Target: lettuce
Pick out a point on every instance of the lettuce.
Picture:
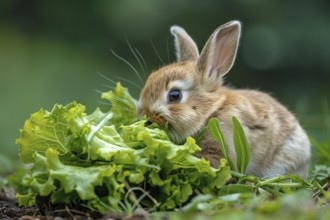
(109, 160)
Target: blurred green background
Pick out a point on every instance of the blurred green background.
(52, 51)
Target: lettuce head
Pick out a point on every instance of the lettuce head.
(107, 160)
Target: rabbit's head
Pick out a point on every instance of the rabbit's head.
(182, 96)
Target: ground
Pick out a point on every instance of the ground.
(9, 209)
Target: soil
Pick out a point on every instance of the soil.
(9, 209)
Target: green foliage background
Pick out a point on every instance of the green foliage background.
(51, 52)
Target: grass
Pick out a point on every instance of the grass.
(245, 196)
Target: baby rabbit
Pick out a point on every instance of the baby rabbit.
(184, 95)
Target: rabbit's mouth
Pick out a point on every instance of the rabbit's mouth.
(174, 135)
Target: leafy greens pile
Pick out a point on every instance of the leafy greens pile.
(108, 160)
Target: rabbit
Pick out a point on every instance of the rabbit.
(183, 96)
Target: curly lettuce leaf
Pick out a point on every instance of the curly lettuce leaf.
(49, 130)
(68, 130)
(123, 106)
(98, 158)
(83, 180)
(180, 171)
(106, 143)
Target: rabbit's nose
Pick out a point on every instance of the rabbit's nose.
(159, 119)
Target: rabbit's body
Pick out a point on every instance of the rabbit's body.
(186, 94)
(278, 144)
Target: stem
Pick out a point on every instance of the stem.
(320, 188)
(274, 179)
(285, 184)
(95, 130)
(130, 192)
(271, 191)
(243, 176)
(236, 174)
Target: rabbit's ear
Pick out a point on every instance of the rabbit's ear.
(218, 54)
(186, 48)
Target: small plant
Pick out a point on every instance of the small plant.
(241, 144)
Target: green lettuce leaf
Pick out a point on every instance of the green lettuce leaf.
(102, 159)
(49, 130)
(123, 106)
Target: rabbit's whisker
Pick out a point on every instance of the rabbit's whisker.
(106, 78)
(144, 63)
(156, 52)
(129, 81)
(130, 65)
(137, 58)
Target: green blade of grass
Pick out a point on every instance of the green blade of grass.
(217, 135)
(242, 146)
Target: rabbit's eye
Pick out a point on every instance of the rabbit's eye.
(174, 95)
